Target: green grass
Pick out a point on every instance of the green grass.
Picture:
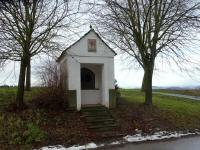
(194, 92)
(8, 95)
(174, 105)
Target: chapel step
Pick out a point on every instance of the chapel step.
(95, 108)
(102, 127)
(89, 120)
(96, 114)
(98, 118)
(96, 122)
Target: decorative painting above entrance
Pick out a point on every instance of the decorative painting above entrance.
(87, 79)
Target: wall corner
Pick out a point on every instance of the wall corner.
(112, 98)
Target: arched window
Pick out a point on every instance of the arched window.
(87, 79)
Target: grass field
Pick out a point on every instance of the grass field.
(172, 104)
(61, 127)
(8, 95)
(179, 111)
(193, 92)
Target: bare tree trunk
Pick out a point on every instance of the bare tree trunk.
(28, 75)
(20, 90)
(143, 82)
(148, 86)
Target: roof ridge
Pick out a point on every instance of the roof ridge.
(91, 29)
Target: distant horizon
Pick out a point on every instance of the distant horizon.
(127, 74)
(127, 78)
(153, 87)
(166, 87)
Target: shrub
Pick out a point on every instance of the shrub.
(15, 131)
(52, 94)
(51, 98)
(33, 134)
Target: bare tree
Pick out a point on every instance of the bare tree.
(47, 73)
(147, 29)
(29, 28)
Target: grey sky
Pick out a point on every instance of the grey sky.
(128, 76)
(164, 76)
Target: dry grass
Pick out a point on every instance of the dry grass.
(173, 112)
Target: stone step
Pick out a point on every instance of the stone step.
(103, 123)
(94, 111)
(97, 117)
(99, 114)
(99, 120)
(102, 126)
(93, 108)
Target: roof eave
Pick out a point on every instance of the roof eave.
(63, 53)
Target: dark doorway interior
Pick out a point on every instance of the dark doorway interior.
(87, 79)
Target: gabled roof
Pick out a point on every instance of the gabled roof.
(91, 29)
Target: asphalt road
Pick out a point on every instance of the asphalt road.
(189, 143)
(180, 95)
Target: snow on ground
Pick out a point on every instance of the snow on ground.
(156, 136)
(59, 147)
(129, 138)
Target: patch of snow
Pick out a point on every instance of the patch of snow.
(101, 145)
(90, 146)
(156, 136)
(160, 135)
(59, 147)
(138, 131)
(115, 143)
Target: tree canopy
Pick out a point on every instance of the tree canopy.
(31, 27)
(145, 29)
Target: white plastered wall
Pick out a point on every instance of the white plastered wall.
(74, 76)
(78, 54)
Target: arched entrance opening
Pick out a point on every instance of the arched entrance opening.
(91, 84)
(87, 79)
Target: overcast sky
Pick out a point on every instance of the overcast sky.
(128, 76)
(164, 76)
